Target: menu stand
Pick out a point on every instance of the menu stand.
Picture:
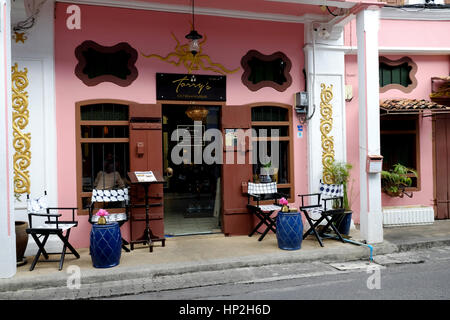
(148, 237)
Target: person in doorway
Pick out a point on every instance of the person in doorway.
(109, 178)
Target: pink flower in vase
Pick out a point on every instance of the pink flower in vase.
(284, 204)
(102, 213)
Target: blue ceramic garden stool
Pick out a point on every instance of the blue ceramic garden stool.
(289, 230)
(106, 245)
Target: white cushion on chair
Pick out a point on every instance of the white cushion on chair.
(269, 207)
(61, 226)
(113, 195)
(314, 213)
(112, 217)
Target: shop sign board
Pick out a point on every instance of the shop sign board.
(174, 86)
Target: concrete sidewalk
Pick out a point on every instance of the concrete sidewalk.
(199, 261)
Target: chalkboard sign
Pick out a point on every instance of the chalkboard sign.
(174, 86)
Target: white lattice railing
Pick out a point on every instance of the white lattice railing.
(407, 215)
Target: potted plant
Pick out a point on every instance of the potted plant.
(264, 175)
(340, 172)
(21, 241)
(394, 181)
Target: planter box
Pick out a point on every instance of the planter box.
(407, 216)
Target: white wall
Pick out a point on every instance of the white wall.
(37, 55)
(7, 234)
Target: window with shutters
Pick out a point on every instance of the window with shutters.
(273, 123)
(266, 71)
(397, 74)
(399, 143)
(102, 148)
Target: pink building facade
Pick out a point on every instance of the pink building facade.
(322, 52)
(429, 51)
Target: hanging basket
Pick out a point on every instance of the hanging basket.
(399, 193)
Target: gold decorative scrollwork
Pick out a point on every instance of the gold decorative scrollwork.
(182, 56)
(326, 125)
(21, 140)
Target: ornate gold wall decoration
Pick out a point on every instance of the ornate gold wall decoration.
(21, 140)
(182, 56)
(19, 37)
(326, 125)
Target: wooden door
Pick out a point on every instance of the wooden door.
(146, 155)
(442, 165)
(235, 218)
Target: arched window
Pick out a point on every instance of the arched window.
(102, 148)
(272, 125)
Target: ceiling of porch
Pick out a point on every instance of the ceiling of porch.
(297, 11)
(256, 6)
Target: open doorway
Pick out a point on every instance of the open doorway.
(192, 194)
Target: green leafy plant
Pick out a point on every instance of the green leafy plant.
(394, 181)
(340, 171)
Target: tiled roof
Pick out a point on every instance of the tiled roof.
(411, 105)
(443, 92)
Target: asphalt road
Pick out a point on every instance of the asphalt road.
(414, 275)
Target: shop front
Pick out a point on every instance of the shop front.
(106, 88)
(116, 87)
(143, 102)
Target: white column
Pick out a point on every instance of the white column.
(325, 64)
(371, 218)
(7, 226)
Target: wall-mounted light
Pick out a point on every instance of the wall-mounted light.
(348, 92)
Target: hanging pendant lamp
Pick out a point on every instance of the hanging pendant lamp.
(197, 113)
(193, 36)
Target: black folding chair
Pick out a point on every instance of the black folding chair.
(41, 230)
(331, 211)
(260, 192)
(116, 202)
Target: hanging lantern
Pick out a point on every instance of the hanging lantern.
(197, 113)
(193, 36)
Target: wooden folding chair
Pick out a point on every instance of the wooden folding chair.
(116, 202)
(40, 231)
(264, 212)
(331, 210)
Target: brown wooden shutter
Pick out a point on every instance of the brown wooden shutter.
(146, 131)
(236, 219)
(442, 165)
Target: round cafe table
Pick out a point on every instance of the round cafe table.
(106, 244)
